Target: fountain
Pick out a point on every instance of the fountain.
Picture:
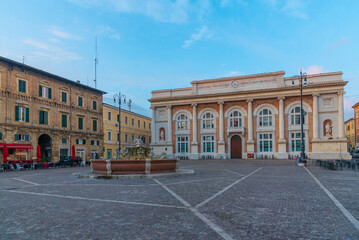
(136, 161)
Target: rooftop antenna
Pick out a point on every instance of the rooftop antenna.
(96, 62)
(129, 105)
(23, 63)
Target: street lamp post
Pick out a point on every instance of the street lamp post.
(119, 98)
(302, 83)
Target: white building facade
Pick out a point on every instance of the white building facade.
(252, 116)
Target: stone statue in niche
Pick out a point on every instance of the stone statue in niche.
(328, 129)
(162, 134)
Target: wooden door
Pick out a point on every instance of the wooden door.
(236, 147)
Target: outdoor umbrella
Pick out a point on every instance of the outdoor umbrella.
(73, 153)
(38, 153)
(5, 154)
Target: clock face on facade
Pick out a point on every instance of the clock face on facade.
(235, 84)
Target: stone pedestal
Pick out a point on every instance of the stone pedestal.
(329, 149)
(250, 146)
(221, 150)
(194, 151)
(282, 149)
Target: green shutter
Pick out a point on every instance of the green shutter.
(40, 91)
(24, 86)
(77, 141)
(27, 119)
(46, 116)
(94, 125)
(64, 97)
(49, 92)
(26, 137)
(64, 120)
(17, 137)
(80, 101)
(84, 141)
(81, 123)
(16, 113)
(0, 136)
(41, 117)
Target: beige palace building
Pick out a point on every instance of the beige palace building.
(133, 126)
(252, 116)
(349, 128)
(40, 108)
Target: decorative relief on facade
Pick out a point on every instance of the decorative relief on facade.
(162, 134)
(328, 129)
(162, 114)
(328, 102)
(235, 84)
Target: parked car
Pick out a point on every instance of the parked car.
(67, 161)
(355, 153)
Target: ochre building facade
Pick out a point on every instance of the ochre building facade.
(40, 108)
(133, 126)
(356, 124)
(349, 128)
(252, 116)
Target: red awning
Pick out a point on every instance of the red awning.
(16, 146)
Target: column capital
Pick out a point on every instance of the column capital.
(169, 106)
(250, 100)
(221, 102)
(153, 107)
(194, 104)
(341, 92)
(315, 94)
(281, 98)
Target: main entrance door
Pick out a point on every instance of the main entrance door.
(236, 147)
(45, 143)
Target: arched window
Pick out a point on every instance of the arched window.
(265, 118)
(208, 121)
(182, 122)
(235, 119)
(295, 116)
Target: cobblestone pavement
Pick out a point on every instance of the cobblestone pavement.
(225, 199)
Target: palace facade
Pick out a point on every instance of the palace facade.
(349, 128)
(252, 116)
(40, 108)
(133, 126)
(356, 124)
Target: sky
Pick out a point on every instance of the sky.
(146, 45)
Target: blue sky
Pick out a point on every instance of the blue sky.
(145, 45)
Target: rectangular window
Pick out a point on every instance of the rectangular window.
(64, 141)
(266, 142)
(139, 123)
(297, 141)
(208, 143)
(80, 123)
(133, 137)
(118, 118)
(182, 144)
(126, 137)
(126, 120)
(149, 125)
(22, 114)
(94, 105)
(144, 124)
(133, 122)
(21, 137)
(94, 125)
(80, 102)
(109, 116)
(44, 117)
(64, 120)
(44, 92)
(109, 136)
(22, 86)
(64, 97)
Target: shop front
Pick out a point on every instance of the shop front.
(15, 152)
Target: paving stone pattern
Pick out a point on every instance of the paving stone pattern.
(278, 201)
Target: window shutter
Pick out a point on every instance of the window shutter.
(94, 125)
(16, 113)
(0, 136)
(46, 116)
(81, 123)
(27, 114)
(84, 141)
(64, 121)
(41, 117)
(16, 137)
(40, 91)
(26, 137)
(49, 93)
(77, 141)
(92, 142)
(24, 86)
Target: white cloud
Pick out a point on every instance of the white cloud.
(161, 10)
(61, 34)
(294, 8)
(202, 33)
(232, 73)
(50, 51)
(109, 32)
(314, 69)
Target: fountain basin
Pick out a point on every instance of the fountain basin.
(123, 167)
